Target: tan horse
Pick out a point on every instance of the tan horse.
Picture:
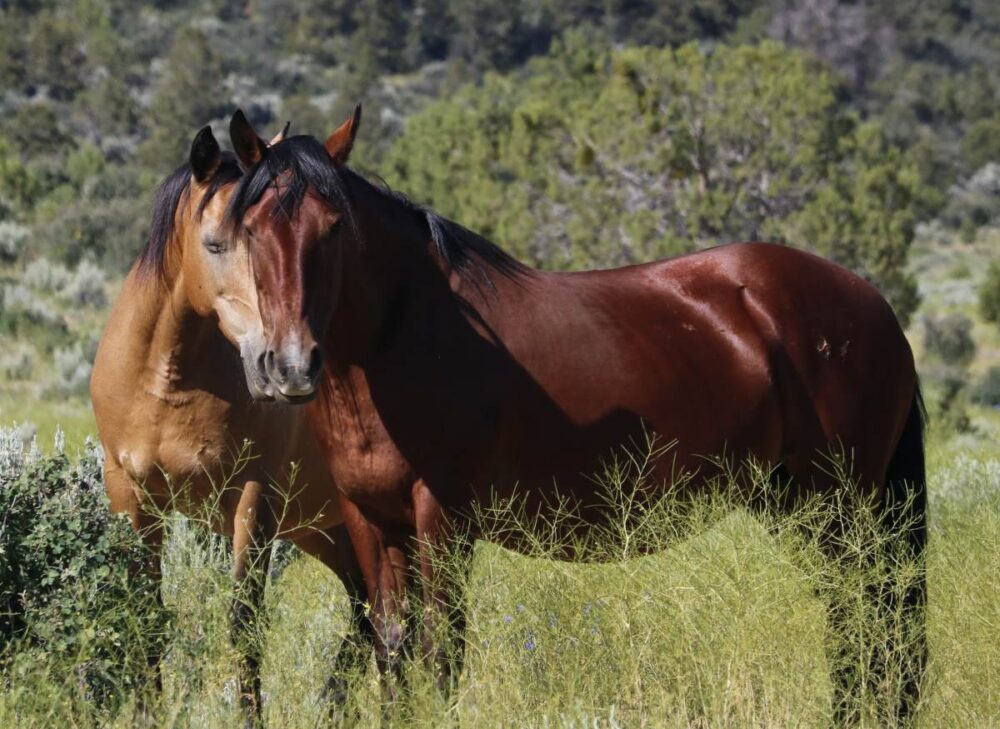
(174, 414)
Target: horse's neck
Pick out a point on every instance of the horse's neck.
(160, 334)
(376, 275)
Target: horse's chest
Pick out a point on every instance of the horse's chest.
(184, 445)
(370, 471)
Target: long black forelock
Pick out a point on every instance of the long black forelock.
(295, 164)
(169, 196)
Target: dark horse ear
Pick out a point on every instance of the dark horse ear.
(249, 148)
(205, 155)
(339, 144)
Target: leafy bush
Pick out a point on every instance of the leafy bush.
(948, 340)
(981, 144)
(987, 390)
(975, 202)
(952, 413)
(989, 294)
(949, 337)
(65, 590)
(109, 231)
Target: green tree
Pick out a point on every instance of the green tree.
(949, 343)
(53, 56)
(84, 164)
(19, 189)
(190, 96)
(110, 106)
(488, 33)
(989, 294)
(981, 144)
(36, 129)
(305, 116)
(13, 51)
(864, 217)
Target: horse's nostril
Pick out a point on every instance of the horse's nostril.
(315, 361)
(260, 363)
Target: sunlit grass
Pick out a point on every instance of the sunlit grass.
(21, 402)
(723, 629)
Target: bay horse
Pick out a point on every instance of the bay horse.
(175, 416)
(452, 374)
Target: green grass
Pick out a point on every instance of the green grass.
(21, 402)
(723, 629)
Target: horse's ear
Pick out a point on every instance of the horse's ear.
(338, 145)
(249, 148)
(280, 136)
(205, 155)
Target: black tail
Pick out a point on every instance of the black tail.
(906, 480)
(906, 511)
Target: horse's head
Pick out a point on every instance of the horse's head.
(211, 270)
(288, 209)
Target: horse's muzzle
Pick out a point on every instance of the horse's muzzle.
(293, 375)
(258, 383)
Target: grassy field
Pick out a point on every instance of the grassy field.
(721, 630)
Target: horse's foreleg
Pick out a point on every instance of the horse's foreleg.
(145, 574)
(445, 559)
(253, 532)
(384, 566)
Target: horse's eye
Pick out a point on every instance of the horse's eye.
(214, 246)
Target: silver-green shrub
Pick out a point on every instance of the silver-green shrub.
(85, 286)
(21, 302)
(72, 371)
(12, 237)
(17, 362)
(46, 276)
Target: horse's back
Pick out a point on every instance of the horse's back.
(751, 348)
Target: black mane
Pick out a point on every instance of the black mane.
(169, 196)
(302, 162)
(306, 163)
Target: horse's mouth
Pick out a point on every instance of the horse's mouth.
(279, 396)
(261, 391)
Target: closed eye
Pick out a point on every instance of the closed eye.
(214, 246)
